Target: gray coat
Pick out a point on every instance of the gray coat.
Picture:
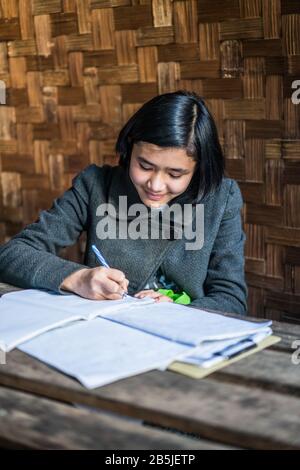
(213, 276)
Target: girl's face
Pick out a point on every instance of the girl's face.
(160, 174)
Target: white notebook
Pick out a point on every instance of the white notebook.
(29, 313)
(100, 352)
(99, 342)
(182, 324)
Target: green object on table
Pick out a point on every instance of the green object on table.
(180, 298)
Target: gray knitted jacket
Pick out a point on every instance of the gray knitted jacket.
(213, 276)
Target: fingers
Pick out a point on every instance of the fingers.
(124, 285)
(109, 282)
(118, 277)
(98, 296)
(110, 287)
(114, 297)
(146, 293)
(164, 298)
(115, 275)
(157, 296)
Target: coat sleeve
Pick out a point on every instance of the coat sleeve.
(225, 286)
(30, 259)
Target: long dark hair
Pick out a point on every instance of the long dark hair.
(180, 119)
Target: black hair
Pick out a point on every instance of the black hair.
(180, 119)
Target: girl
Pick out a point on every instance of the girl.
(169, 157)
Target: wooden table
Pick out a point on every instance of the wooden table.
(254, 403)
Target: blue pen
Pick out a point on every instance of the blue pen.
(102, 260)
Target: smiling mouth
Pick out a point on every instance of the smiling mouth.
(153, 196)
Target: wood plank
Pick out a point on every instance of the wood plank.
(275, 65)
(17, 97)
(200, 69)
(117, 74)
(245, 109)
(149, 36)
(288, 7)
(177, 52)
(231, 413)
(288, 303)
(21, 48)
(30, 422)
(41, 7)
(283, 236)
(291, 149)
(262, 48)
(218, 10)
(225, 88)
(270, 370)
(68, 96)
(263, 129)
(138, 92)
(264, 214)
(265, 282)
(236, 168)
(292, 256)
(99, 58)
(252, 191)
(64, 23)
(19, 163)
(291, 173)
(9, 29)
(131, 17)
(246, 28)
(287, 340)
(220, 411)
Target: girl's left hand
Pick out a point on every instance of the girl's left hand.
(157, 296)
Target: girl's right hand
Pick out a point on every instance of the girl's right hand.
(97, 283)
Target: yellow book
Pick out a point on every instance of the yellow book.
(198, 372)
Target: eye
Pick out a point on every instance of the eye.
(175, 176)
(145, 167)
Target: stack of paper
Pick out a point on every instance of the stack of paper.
(99, 342)
(211, 353)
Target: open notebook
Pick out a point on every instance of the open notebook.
(99, 342)
(29, 313)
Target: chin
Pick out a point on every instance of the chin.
(154, 204)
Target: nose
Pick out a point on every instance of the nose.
(156, 183)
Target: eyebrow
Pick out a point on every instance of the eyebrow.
(179, 170)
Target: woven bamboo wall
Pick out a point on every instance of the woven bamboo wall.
(75, 70)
